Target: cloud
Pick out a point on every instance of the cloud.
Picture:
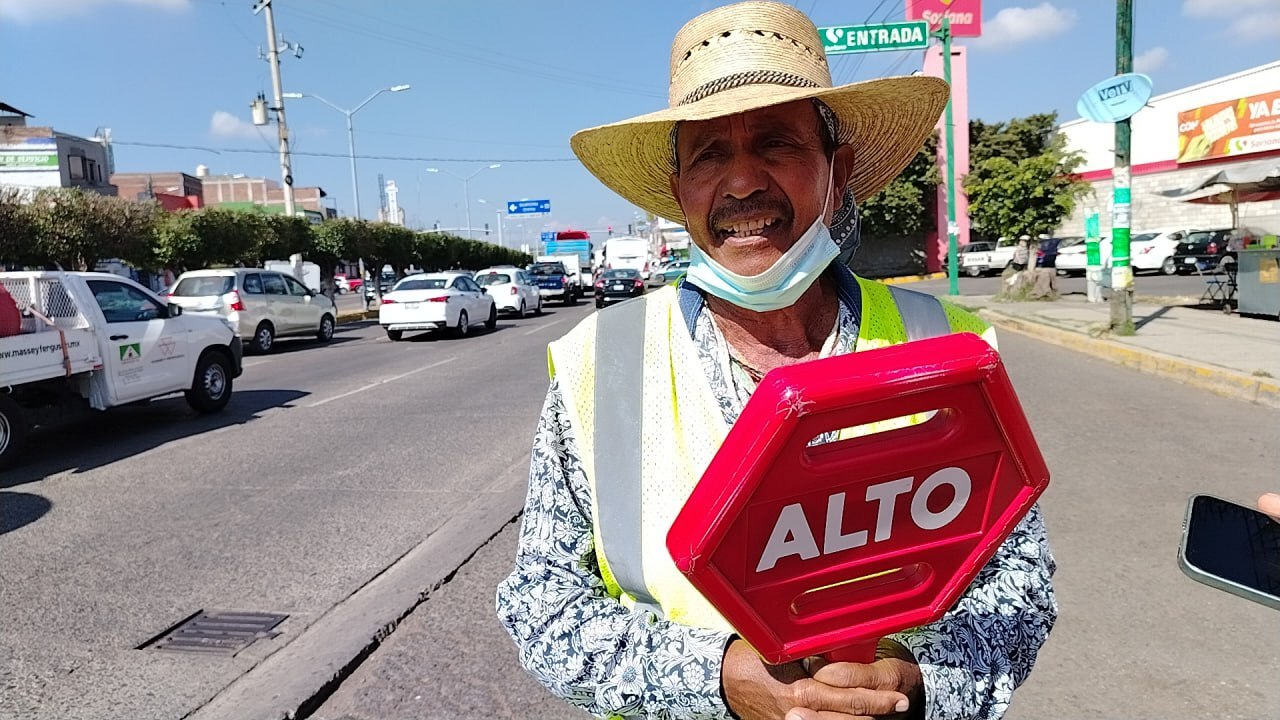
(225, 125)
(1221, 8)
(1256, 26)
(1017, 25)
(33, 11)
(1151, 60)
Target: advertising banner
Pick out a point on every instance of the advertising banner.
(1232, 127)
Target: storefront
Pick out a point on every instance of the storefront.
(1179, 139)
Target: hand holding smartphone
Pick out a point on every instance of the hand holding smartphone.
(1233, 548)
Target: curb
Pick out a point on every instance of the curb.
(911, 278)
(1219, 381)
(352, 316)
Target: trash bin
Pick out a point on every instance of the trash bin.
(1258, 283)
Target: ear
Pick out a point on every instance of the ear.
(841, 170)
(674, 180)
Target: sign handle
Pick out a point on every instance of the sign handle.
(860, 653)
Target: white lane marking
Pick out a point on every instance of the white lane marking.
(540, 328)
(383, 381)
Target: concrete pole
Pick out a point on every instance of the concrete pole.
(1121, 271)
(282, 128)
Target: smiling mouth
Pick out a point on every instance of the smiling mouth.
(746, 228)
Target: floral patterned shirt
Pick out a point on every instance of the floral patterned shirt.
(590, 650)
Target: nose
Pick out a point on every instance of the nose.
(744, 177)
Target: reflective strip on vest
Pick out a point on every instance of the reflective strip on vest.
(619, 395)
(922, 315)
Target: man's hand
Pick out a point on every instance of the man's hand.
(837, 691)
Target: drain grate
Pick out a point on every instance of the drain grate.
(216, 632)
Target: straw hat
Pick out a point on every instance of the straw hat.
(745, 57)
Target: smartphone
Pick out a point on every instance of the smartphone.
(1233, 548)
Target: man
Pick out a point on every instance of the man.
(1022, 253)
(760, 159)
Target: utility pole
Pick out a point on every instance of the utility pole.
(953, 249)
(282, 128)
(1121, 271)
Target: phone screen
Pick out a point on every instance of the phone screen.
(1235, 543)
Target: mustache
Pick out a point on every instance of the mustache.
(733, 210)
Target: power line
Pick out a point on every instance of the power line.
(900, 5)
(845, 60)
(400, 158)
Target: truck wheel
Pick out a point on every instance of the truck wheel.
(394, 335)
(263, 338)
(211, 388)
(973, 272)
(325, 333)
(13, 430)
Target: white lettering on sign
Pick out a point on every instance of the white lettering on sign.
(1260, 109)
(957, 18)
(793, 535)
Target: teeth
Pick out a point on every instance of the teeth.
(749, 227)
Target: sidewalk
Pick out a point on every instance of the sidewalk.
(1229, 355)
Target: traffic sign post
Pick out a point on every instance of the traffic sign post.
(528, 207)
(825, 549)
(845, 39)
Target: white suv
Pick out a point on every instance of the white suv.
(512, 290)
(262, 304)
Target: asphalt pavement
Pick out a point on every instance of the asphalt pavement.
(330, 465)
(1135, 637)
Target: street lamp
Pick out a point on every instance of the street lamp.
(466, 193)
(351, 134)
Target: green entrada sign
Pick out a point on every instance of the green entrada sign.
(912, 35)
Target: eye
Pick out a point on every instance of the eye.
(706, 155)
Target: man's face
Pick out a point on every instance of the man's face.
(751, 184)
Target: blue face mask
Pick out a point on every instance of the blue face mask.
(782, 284)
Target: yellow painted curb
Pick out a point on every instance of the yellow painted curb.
(911, 278)
(355, 316)
(1221, 381)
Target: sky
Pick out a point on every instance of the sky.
(508, 81)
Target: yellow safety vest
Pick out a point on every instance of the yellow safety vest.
(647, 424)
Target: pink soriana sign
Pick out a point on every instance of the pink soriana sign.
(965, 15)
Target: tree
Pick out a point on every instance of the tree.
(904, 206)
(193, 239)
(331, 242)
(1026, 196)
(17, 231)
(277, 238)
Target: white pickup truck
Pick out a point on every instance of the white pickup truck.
(108, 341)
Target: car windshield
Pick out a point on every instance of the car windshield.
(547, 269)
(422, 284)
(621, 275)
(493, 279)
(1198, 237)
(204, 286)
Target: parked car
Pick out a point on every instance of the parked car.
(616, 285)
(435, 301)
(997, 256)
(1154, 250)
(108, 341)
(1213, 249)
(669, 272)
(261, 304)
(385, 282)
(1047, 252)
(347, 284)
(1073, 259)
(512, 290)
(553, 282)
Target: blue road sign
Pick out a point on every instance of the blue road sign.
(528, 207)
(548, 237)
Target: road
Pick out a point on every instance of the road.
(329, 465)
(1135, 638)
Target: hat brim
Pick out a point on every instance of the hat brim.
(886, 121)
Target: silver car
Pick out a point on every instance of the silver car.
(262, 304)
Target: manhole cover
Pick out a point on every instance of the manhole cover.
(215, 632)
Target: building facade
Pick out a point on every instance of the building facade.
(34, 157)
(173, 190)
(243, 191)
(1179, 139)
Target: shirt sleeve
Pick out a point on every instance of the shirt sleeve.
(575, 639)
(983, 648)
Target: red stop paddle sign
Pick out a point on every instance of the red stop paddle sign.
(812, 549)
